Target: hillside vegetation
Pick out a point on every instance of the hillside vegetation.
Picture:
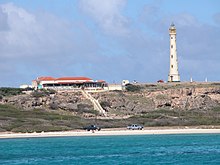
(38, 120)
(146, 104)
(10, 91)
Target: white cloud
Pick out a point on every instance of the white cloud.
(39, 43)
(32, 34)
(35, 44)
(107, 13)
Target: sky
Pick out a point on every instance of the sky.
(110, 40)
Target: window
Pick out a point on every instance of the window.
(171, 56)
(171, 66)
(171, 46)
(171, 37)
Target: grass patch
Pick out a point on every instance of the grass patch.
(37, 120)
(19, 120)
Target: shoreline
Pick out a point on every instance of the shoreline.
(110, 132)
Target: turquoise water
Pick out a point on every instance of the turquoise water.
(113, 150)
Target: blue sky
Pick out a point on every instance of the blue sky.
(107, 39)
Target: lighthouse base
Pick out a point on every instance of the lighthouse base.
(174, 78)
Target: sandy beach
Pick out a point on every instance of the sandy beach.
(109, 132)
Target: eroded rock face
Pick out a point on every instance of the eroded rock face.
(73, 101)
(123, 103)
(182, 99)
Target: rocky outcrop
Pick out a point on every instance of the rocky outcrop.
(71, 101)
(187, 98)
(122, 103)
(144, 101)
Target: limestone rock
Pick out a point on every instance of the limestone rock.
(123, 103)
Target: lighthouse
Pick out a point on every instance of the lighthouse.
(174, 73)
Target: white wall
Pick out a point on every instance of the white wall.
(113, 87)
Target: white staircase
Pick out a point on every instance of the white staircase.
(95, 102)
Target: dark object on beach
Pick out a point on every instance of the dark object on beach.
(135, 127)
(92, 127)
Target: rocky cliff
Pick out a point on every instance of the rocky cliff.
(67, 101)
(144, 101)
(122, 103)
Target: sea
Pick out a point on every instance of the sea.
(174, 149)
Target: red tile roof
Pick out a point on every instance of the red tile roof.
(75, 78)
(100, 80)
(64, 78)
(70, 82)
(46, 78)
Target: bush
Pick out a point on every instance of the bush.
(105, 104)
(51, 91)
(5, 91)
(133, 88)
(42, 93)
(85, 108)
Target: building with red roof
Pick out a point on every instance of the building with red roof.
(63, 83)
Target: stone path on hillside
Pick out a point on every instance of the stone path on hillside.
(95, 102)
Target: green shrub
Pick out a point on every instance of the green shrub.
(105, 104)
(43, 93)
(86, 108)
(51, 91)
(5, 91)
(38, 94)
(133, 88)
(28, 89)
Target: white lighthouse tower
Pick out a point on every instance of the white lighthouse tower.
(173, 74)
